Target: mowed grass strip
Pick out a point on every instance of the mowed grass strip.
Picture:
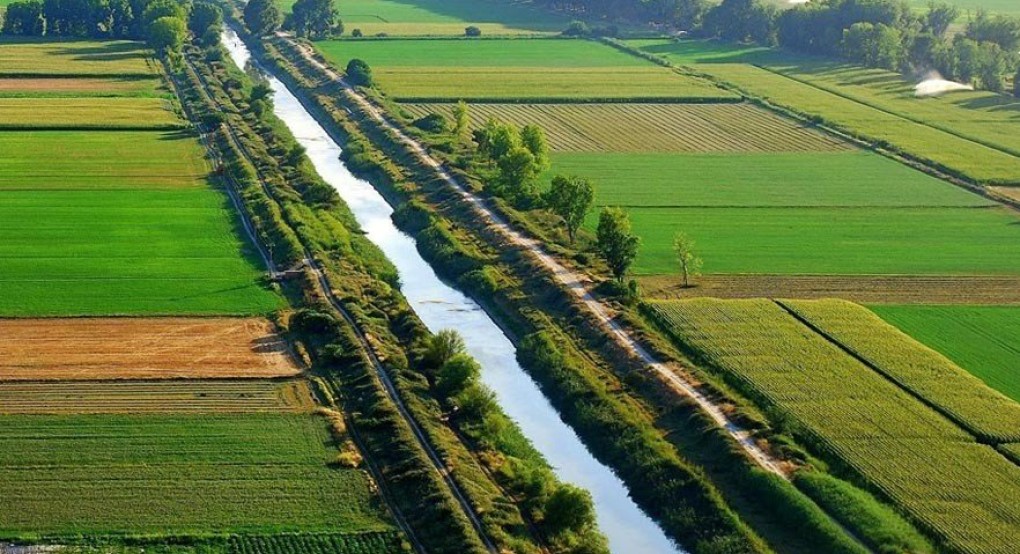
(960, 490)
(832, 241)
(650, 127)
(126, 252)
(514, 69)
(155, 397)
(965, 133)
(87, 113)
(444, 17)
(75, 87)
(93, 160)
(142, 348)
(75, 58)
(984, 340)
(177, 474)
(989, 415)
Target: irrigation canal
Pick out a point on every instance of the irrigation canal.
(441, 306)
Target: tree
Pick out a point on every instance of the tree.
(457, 374)
(461, 121)
(162, 8)
(1016, 83)
(315, 18)
(442, 347)
(498, 139)
(359, 73)
(569, 509)
(472, 31)
(1001, 29)
(204, 16)
(570, 198)
(615, 241)
(577, 29)
(262, 17)
(689, 262)
(25, 18)
(533, 138)
(167, 34)
(518, 170)
(939, 17)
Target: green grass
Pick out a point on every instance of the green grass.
(970, 133)
(90, 160)
(443, 17)
(130, 252)
(68, 475)
(74, 58)
(971, 6)
(962, 490)
(984, 340)
(812, 179)
(541, 68)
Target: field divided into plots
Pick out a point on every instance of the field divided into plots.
(628, 127)
(177, 474)
(957, 488)
(972, 133)
(453, 69)
(983, 339)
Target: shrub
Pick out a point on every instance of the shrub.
(433, 123)
(472, 31)
(577, 29)
(357, 33)
(359, 73)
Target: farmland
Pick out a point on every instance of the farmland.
(164, 348)
(985, 340)
(155, 398)
(931, 468)
(56, 87)
(75, 59)
(650, 127)
(492, 69)
(443, 17)
(177, 474)
(968, 133)
(87, 113)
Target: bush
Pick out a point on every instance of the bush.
(357, 33)
(472, 31)
(359, 73)
(432, 123)
(577, 29)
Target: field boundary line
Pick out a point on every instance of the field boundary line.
(326, 289)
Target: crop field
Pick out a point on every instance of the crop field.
(985, 340)
(443, 17)
(932, 469)
(177, 474)
(130, 252)
(56, 87)
(650, 127)
(87, 113)
(971, 133)
(156, 398)
(133, 348)
(990, 416)
(352, 543)
(90, 160)
(494, 69)
(75, 59)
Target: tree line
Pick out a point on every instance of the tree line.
(876, 33)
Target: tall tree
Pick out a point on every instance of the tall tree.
(939, 17)
(25, 18)
(461, 121)
(616, 242)
(167, 34)
(262, 17)
(204, 16)
(689, 262)
(533, 138)
(570, 198)
(315, 18)
(518, 170)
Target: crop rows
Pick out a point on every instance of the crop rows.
(154, 397)
(76, 59)
(651, 127)
(87, 113)
(962, 491)
(101, 474)
(986, 413)
(54, 87)
(354, 543)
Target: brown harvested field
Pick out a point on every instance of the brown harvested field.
(865, 289)
(143, 397)
(142, 348)
(661, 128)
(1011, 193)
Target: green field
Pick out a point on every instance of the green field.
(969, 7)
(970, 133)
(74, 58)
(87, 113)
(962, 490)
(985, 340)
(443, 17)
(80, 87)
(65, 475)
(539, 68)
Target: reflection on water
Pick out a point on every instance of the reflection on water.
(440, 306)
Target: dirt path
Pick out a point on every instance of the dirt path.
(575, 282)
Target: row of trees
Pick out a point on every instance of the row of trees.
(165, 24)
(877, 33)
(308, 18)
